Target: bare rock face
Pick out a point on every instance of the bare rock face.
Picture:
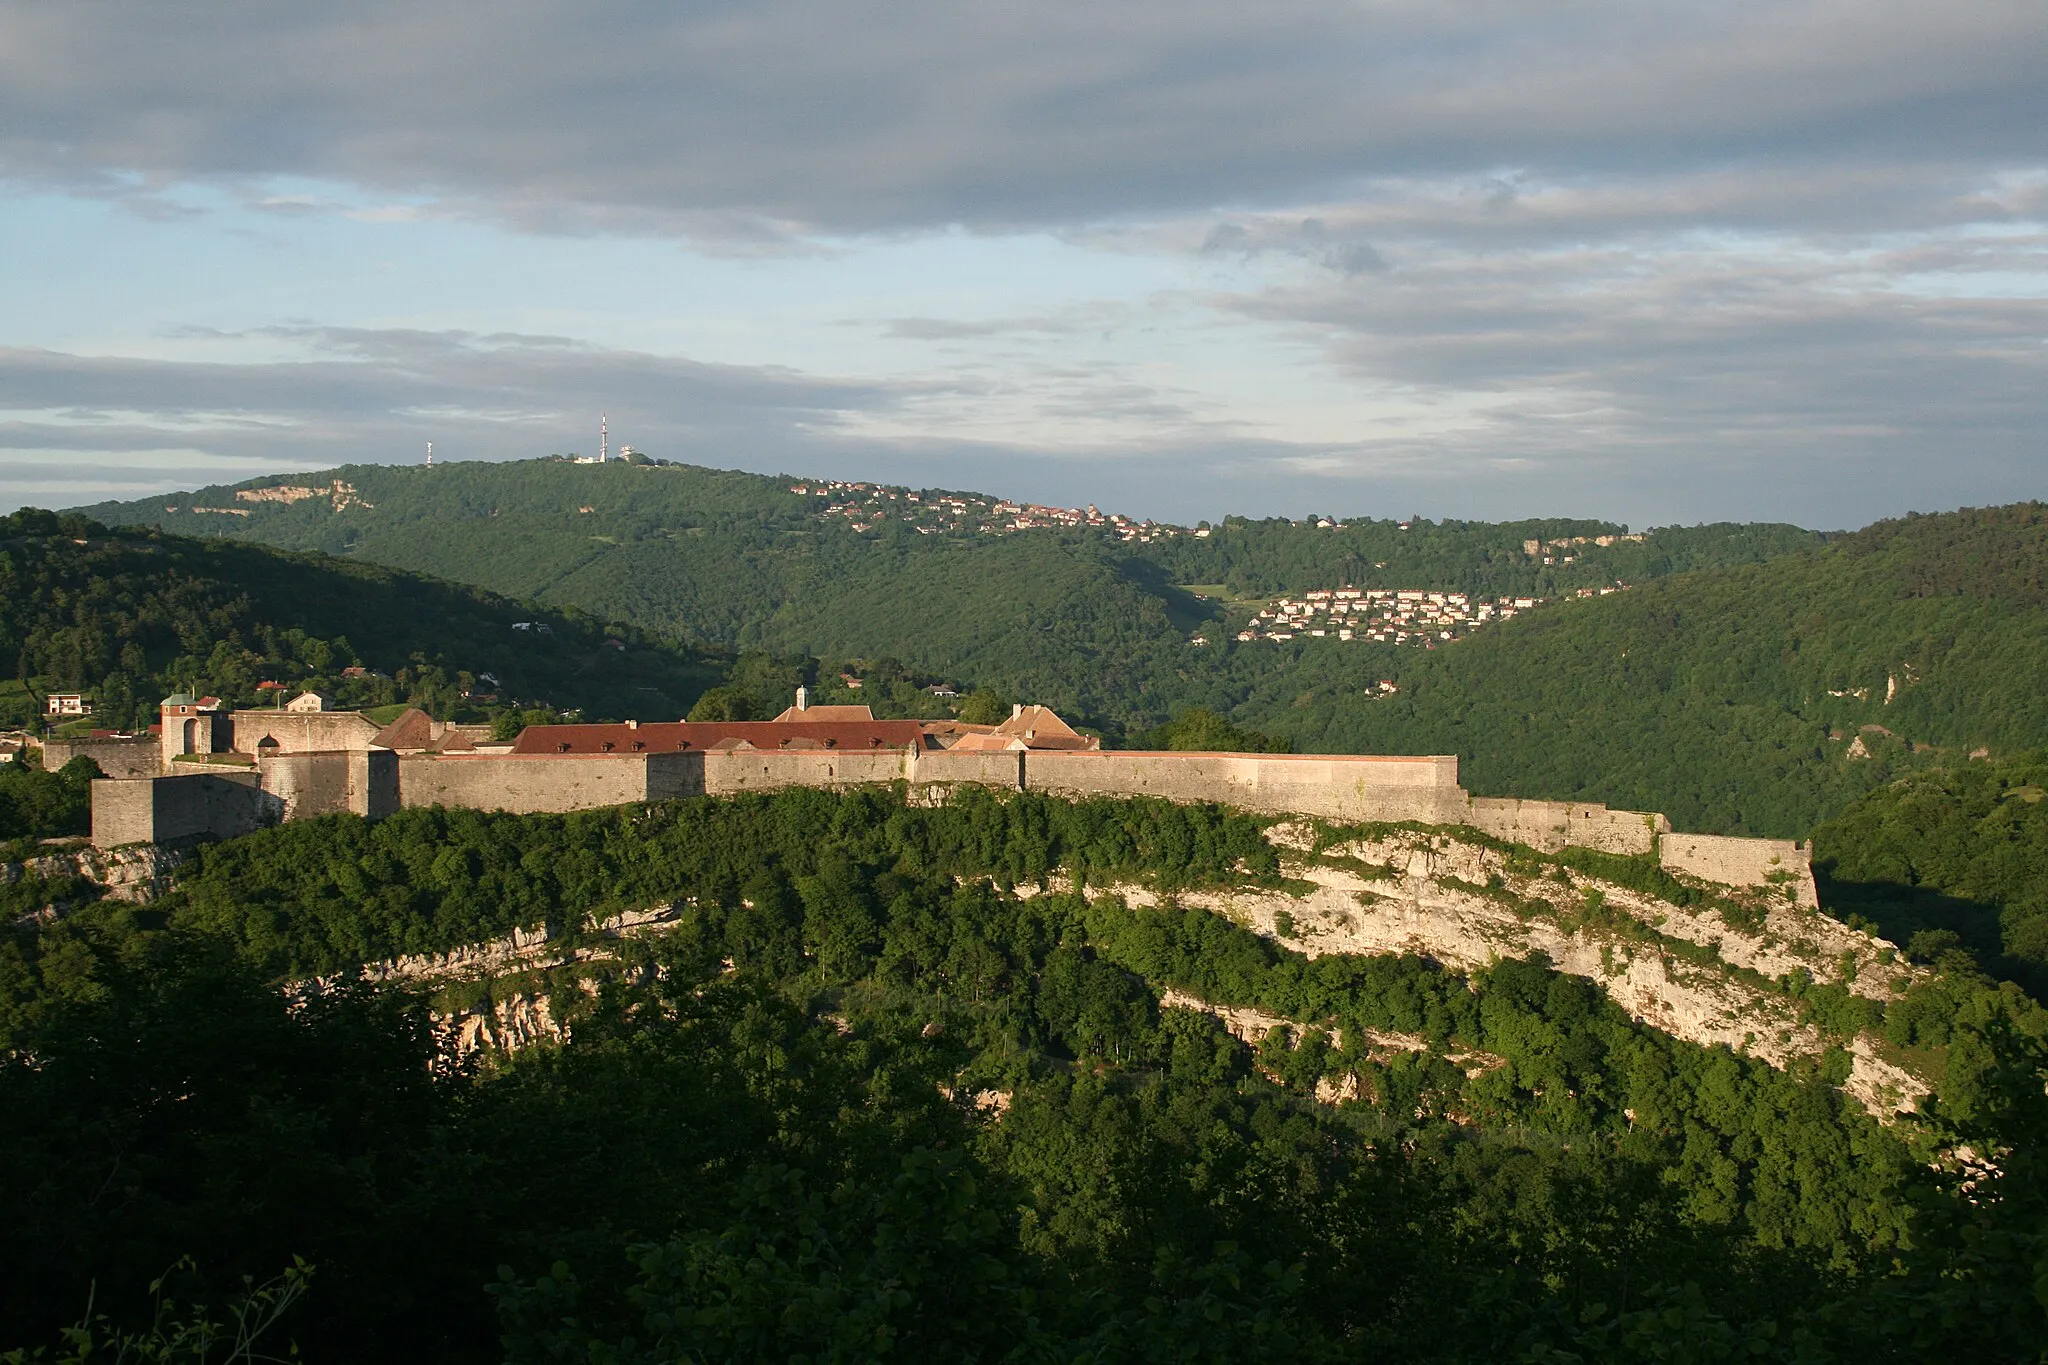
(137, 875)
(1688, 971)
(527, 959)
(505, 1026)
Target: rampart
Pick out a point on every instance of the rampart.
(739, 770)
(260, 730)
(1743, 862)
(168, 810)
(530, 784)
(361, 783)
(1551, 825)
(116, 757)
(1336, 787)
(1349, 788)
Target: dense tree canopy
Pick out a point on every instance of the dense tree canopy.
(1748, 700)
(862, 1100)
(35, 804)
(1953, 858)
(128, 616)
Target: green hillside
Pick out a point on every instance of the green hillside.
(1752, 699)
(1703, 690)
(1080, 618)
(127, 615)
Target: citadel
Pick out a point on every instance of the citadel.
(214, 772)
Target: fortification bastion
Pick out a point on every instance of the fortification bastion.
(581, 767)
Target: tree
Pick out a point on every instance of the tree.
(984, 707)
(1202, 730)
(723, 704)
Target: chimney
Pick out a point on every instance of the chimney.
(1016, 709)
(803, 699)
(632, 725)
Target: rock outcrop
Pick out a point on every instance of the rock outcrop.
(136, 875)
(1684, 970)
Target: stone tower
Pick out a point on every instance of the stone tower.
(194, 725)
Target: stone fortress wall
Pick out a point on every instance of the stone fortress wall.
(136, 757)
(1743, 862)
(263, 730)
(526, 785)
(1339, 787)
(165, 810)
(1335, 786)
(1551, 825)
(360, 782)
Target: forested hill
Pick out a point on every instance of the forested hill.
(1750, 679)
(1094, 619)
(127, 615)
(1750, 699)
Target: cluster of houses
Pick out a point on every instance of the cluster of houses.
(867, 505)
(1398, 616)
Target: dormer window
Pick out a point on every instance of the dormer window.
(562, 748)
(607, 746)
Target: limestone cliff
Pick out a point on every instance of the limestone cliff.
(1701, 960)
(1722, 971)
(74, 873)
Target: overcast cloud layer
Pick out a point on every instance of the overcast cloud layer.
(1652, 261)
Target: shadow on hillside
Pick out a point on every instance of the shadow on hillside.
(1933, 928)
(1183, 608)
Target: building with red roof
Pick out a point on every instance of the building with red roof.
(659, 737)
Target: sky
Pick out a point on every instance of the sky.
(1653, 262)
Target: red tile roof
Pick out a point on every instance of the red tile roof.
(415, 729)
(1039, 728)
(983, 743)
(412, 729)
(672, 736)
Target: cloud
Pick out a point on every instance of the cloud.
(1829, 376)
(764, 120)
(361, 394)
(1762, 257)
(1548, 440)
(82, 428)
(960, 329)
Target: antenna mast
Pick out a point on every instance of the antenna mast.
(430, 454)
(604, 437)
